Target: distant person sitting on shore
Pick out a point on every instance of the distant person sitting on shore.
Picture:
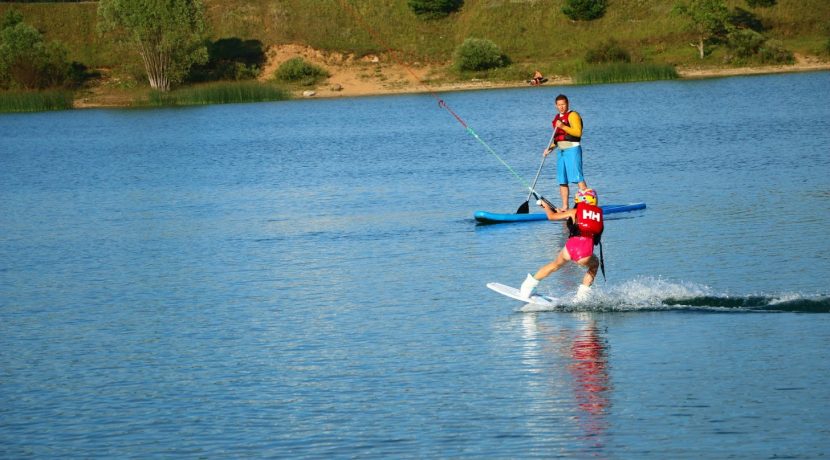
(538, 79)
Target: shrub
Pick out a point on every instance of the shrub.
(760, 3)
(297, 70)
(745, 42)
(478, 54)
(773, 52)
(434, 9)
(584, 10)
(607, 51)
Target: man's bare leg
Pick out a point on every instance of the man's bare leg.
(564, 191)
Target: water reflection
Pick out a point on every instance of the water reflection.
(578, 355)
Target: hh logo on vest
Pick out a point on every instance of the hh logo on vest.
(591, 215)
(589, 219)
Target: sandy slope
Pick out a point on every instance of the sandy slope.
(375, 75)
(378, 75)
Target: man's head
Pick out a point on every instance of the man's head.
(562, 103)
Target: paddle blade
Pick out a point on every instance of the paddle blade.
(523, 208)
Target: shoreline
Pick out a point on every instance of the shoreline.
(390, 79)
(694, 73)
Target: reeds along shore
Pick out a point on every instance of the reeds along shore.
(217, 93)
(624, 72)
(35, 101)
(214, 93)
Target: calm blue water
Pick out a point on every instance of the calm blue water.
(304, 279)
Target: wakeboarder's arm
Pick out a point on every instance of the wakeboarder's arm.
(554, 214)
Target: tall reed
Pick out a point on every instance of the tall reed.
(35, 101)
(216, 93)
(624, 72)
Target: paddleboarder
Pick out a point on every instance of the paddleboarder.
(585, 222)
(567, 126)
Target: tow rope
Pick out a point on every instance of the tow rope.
(441, 103)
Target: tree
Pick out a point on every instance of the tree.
(707, 18)
(167, 34)
(584, 10)
(26, 60)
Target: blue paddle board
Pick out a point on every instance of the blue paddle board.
(486, 217)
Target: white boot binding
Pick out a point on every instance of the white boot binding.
(582, 293)
(529, 286)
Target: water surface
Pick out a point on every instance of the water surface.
(304, 279)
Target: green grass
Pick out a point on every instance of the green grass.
(624, 72)
(533, 34)
(35, 101)
(215, 93)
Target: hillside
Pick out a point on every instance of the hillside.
(533, 33)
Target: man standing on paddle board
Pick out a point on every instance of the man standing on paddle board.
(567, 126)
(585, 223)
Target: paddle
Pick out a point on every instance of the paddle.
(524, 208)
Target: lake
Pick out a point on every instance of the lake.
(304, 279)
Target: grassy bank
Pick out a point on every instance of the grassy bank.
(529, 32)
(534, 34)
(35, 101)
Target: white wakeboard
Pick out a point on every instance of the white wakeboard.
(513, 293)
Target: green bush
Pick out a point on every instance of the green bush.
(760, 3)
(584, 10)
(479, 54)
(748, 44)
(434, 9)
(773, 52)
(745, 43)
(297, 70)
(607, 51)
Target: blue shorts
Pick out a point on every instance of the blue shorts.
(569, 166)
